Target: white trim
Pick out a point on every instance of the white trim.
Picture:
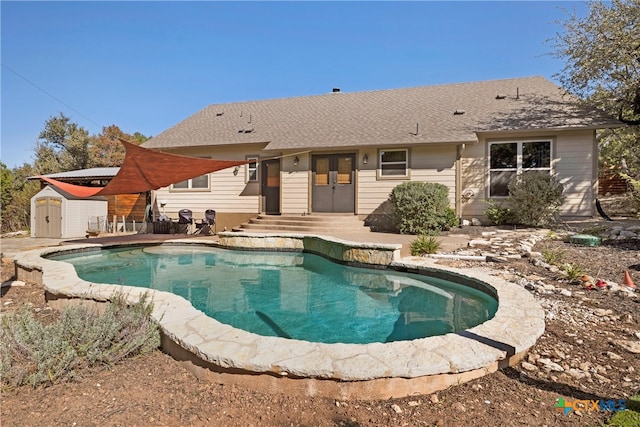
(190, 188)
(380, 175)
(519, 169)
(247, 169)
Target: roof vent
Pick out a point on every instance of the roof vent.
(501, 96)
(219, 113)
(335, 90)
(458, 112)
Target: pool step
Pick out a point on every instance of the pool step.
(314, 223)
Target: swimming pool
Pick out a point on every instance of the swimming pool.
(294, 295)
(221, 353)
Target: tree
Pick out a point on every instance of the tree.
(62, 146)
(106, 149)
(6, 183)
(602, 54)
(16, 197)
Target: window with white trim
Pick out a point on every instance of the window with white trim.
(394, 163)
(252, 169)
(199, 183)
(507, 160)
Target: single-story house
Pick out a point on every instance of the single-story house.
(344, 152)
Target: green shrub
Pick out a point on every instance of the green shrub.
(425, 245)
(573, 272)
(451, 219)
(626, 418)
(499, 214)
(552, 256)
(634, 194)
(33, 353)
(422, 208)
(553, 235)
(535, 198)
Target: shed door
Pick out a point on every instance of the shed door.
(48, 217)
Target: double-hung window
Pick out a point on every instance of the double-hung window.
(507, 160)
(394, 163)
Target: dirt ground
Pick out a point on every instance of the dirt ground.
(581, 356)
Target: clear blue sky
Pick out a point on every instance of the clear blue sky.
(145, 66)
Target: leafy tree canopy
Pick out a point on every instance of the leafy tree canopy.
(64, 146)
(602, 66)
(106, 149)
(6, 183)
(16, 196)
(602, 53)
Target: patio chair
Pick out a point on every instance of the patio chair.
(207, 223)
(185, 220)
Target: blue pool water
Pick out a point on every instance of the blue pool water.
(294, 295)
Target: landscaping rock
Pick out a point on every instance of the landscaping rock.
(630, 346)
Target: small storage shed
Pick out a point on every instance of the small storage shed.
(57, 214)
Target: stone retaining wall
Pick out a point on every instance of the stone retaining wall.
(352, 253)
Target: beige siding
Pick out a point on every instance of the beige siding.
(474, 166)
(294, 192)
(576, 168)
(227, 193)
(573, 163)
(434, 163)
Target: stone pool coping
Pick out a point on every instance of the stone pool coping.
(447, 359)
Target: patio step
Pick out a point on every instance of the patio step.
(314, 223)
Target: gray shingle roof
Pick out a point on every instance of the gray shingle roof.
(407, 116)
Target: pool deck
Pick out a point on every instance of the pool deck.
(10, 246)
(378, 370)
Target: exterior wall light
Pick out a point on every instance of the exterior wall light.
(163, 203)
(295, 161)
(365, 159)
(236, 170)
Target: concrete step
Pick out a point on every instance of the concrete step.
(315, 218)
(318, 224)
(307, 220)
(293, 228)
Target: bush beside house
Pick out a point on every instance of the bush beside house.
(422, 208)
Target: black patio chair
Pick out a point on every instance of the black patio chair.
(185, 220)
(208, 223)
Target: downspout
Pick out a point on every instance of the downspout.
(458, 185)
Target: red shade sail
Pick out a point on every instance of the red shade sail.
(144, 169)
